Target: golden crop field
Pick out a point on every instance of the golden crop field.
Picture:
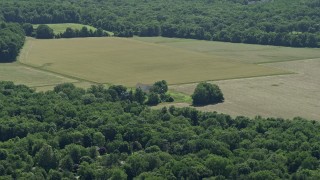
(128, 61)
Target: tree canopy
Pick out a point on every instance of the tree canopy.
(277, 22)
(44, 32)
(207, 93)
(12, 38)
(158, 93)
(104, 133)
(273, 22)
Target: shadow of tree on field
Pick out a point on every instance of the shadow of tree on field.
(6, 60)
(204, 105)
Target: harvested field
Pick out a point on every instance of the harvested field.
(285, 96)
(127, 61)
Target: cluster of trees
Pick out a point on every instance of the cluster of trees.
(12, 38)
(83, 32)
(280, 22)
(158, 93)
(43, 31)
(105, 133)
(207, 93)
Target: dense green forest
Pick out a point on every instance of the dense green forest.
(12, 38)
(105, 133)
(275, 22)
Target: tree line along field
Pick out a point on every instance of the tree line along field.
(128, 62)
(12, 38)
(275, 22)
(60, 28)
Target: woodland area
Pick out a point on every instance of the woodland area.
(12, 38)
(106, 133)
(274, 22)
(268, 22)
(43, 31)
(112, 133)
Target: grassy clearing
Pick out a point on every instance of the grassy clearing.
(127, 61)
(238, 52)
(60, 28)
(180, 97)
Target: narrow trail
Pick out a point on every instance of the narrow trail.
(270, 62)
(58, 74)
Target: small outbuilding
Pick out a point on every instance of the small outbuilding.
(144, 87)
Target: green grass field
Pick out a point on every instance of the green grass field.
(128, 62)
(248, 53)
(29, 76)
(60, 28)
(180, 97)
